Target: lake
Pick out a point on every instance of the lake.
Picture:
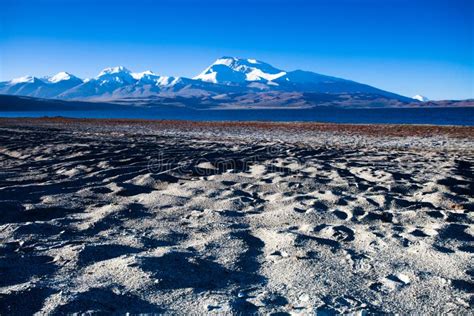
(435, 116)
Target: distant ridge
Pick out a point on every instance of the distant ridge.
(228, 82)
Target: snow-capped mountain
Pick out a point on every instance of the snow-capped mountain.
(27, 85)
(420, 98)
(257, 75)
(48, 87)
(115, 76)
(63, 77)
(231, 71)
(228, 78)
(119, 82)
(58, 83)
(227, 70)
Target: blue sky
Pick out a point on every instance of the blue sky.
(404, 46)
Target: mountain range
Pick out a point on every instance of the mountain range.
(229, 82)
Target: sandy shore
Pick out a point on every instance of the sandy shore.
(139, 216)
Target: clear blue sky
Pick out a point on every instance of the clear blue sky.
(404, 46)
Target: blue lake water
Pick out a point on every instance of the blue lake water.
(436, 116)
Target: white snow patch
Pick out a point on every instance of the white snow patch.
(252, 69)
(114, 70)
(23, 79)
(163, 81)
(257, 74)
(60, 76)
(175, 81)
(420, 98)
(140, 75)
(208, 77)
(224, 61)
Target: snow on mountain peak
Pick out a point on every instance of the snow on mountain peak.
(238, 70)
(61, 76)
(114, 70)
(23, 79)
(140, 75)
(225, 61)
(115, 75)
(420, 98)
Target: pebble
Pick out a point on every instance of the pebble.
(404, 278)
(304, 297)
